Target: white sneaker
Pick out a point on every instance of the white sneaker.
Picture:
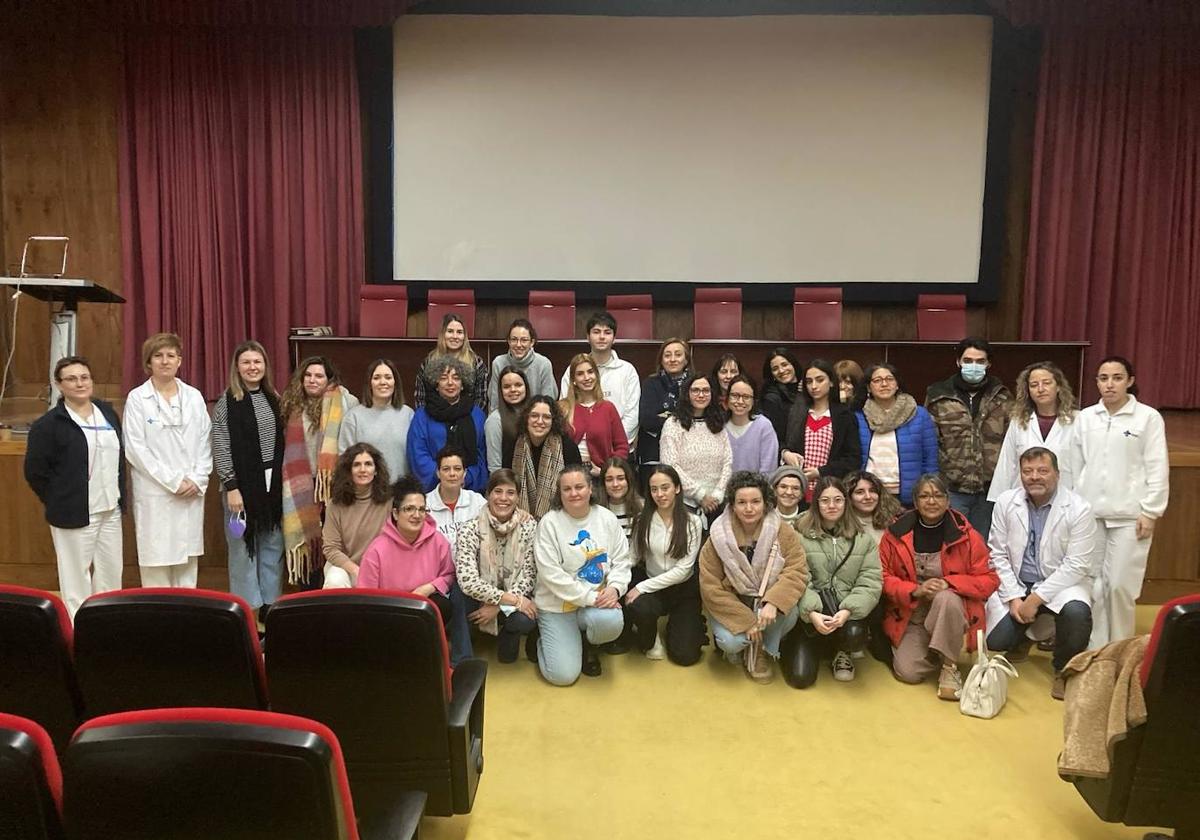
(843, 667)
(657, 650)
(858, 654)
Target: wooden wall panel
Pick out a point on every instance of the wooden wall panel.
(59, 90)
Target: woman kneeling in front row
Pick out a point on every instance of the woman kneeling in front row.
(582, 572)
(844, 586)
(493, 555)
(936, 579)
(752, 574)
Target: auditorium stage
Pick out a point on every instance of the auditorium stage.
(27, 557)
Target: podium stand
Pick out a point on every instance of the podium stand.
(68, 292)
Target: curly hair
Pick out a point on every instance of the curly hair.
(407, 485)
(714, 415)
(295, 398)
(744, 479)
(436, 364)
(888, 507)
(342, 489)
(1022, 407)
(556, 421)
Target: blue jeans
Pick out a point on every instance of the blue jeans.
(560, 649)
(732, 643)
(258, 579)
(458, 630)
(1072, 629)
(977, 509)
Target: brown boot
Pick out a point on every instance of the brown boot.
(759, 666)
(949, 683)
(1020, 652)
(1058, 689)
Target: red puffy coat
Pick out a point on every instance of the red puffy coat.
(965, 567)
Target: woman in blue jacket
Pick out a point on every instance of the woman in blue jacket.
(448, 417)
(899, 440)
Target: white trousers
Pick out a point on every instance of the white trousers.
(176, 576)
(89, 558)
(1119, 564)
(336, 577)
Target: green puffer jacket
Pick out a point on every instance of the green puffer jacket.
(859, 581)
(968, 446)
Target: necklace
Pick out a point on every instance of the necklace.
(937, 524)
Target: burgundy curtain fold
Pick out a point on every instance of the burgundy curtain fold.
(1114, 245)
(241, 191)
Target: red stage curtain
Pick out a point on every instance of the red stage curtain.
(1114, 243)
(241, 191)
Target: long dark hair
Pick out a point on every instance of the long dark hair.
(769, 377)
(726, 357)
(679, 518)
(342, 489)
(1125, 363)
(826, 367)
(633, 499)
(368, 398)
(714, 415)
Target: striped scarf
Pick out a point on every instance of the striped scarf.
(537, 485)
(303, 493)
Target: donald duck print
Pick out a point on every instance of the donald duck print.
(595, 559)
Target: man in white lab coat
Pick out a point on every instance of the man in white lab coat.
(1041, 548)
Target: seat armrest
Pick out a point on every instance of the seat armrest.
(467, 684)
(401, 820)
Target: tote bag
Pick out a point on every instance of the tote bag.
(986, 689)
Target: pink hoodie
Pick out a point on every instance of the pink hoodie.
(390, 562)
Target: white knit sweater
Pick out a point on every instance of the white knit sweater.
(704, 460)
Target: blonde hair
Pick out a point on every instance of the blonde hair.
(1022, 407)
(236, 386)
(466, 355)
(567, 404)
(157, 342)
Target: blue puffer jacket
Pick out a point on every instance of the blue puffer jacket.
(917, 444)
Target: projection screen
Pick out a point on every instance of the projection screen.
(777, 149)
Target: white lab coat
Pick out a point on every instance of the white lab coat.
(161, 454)
(1065, 552)
(1122, 457)
(1060, 441)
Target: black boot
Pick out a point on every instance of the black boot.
(591, 659)
(507, 645)
(531, 643)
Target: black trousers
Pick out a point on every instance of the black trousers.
(804, 648)
(686, 631)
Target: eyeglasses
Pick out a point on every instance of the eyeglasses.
(409, 510)
(741, 398)
(700, 392)
(882, 380)
(931, 497)
(77, 380)
(515, 340)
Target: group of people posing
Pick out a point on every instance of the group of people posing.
(816, 516)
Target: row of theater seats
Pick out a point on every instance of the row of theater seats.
(373, 666)
(816, 313)
(160, 774)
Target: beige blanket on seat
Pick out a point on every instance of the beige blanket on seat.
(1104, 701)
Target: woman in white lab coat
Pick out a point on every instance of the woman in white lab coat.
(1043, 413)
(167, 445)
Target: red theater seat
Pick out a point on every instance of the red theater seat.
(1155, 773)
(163, 648)
(718, 312)
(232, 774)
(30, 782)
(374, 666)
(443, 302)
(634, 314)
(383, 311)
(552, 314)
(37, 676)
(941, 317)
(817, 313)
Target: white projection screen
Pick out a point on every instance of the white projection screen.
(764, 149)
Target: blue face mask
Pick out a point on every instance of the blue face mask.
(973, 372)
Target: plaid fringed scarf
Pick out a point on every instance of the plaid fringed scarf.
(537, 485)
(303, 493)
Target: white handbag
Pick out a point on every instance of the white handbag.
(986, 689)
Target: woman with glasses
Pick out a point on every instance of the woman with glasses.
(539, 455)
(453, 341)
(75, 462)
(695, 444)
(936, 580)
(410, 555)
(897, 437)
(845, 582)
(822, 434)
(449, 418)
(523, 356)
(751, 435)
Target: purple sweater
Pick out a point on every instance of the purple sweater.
(757, 449)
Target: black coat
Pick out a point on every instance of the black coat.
(776, 405)
(656, 398)
(56, 464)
(845, 453)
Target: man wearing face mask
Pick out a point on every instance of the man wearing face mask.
(970, 410)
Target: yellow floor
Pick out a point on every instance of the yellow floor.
(651, 750)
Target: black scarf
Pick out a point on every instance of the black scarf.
(264, 505)
(460, 425)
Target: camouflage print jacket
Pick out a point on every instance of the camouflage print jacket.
(968, 446)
